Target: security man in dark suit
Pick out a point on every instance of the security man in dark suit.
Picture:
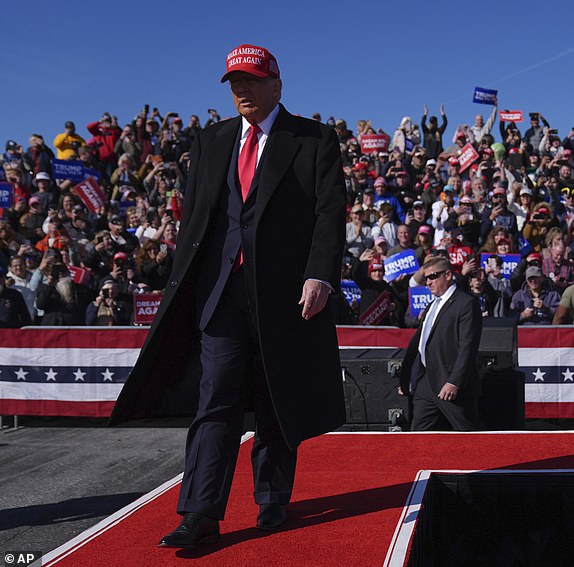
(259, 252)
(440, 369)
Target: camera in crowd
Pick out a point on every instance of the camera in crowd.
(58, 271)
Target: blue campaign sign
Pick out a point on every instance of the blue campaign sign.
(6, 192)
(124, 206)
(484, 96)
(509, 262)
(419, 297)
(409, 145)
(351, 291)
(72, 170)
(402, 263)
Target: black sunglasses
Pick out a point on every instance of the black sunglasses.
(435, 275)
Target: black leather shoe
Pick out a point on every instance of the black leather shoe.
(271, 517)
(194, 529)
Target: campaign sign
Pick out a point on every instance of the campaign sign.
(484, 96)
(509, 262)
(145, 307)
(351, 291)
(468, 155)
(378, 310)
(80, 275)
(124, 206)
(402, 263)
(374, 143)
(511, 116)
(458, 255)
(72, 169)
(91, 194)
(6, 193)
(419, 297)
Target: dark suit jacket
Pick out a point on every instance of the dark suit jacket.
(452, 346)
(294, 231)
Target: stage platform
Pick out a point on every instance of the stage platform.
(355, 502)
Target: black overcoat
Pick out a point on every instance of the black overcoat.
(298, 233)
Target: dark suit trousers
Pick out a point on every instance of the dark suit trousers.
(229, 348)
(430, 412)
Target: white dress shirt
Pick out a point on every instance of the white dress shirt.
(265, 126)
(430, 319)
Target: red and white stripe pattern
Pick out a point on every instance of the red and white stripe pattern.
(80, 371)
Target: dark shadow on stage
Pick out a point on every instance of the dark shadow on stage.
(563, 462)
(65, 511)
(307, 513)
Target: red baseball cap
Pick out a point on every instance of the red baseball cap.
(534, 257)
(251, 59)
(376, 264)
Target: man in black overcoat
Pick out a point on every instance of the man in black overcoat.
(259, 252)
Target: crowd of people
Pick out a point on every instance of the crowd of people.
(504, 221)
(64, 264)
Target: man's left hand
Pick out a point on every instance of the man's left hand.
(314, 298)
(448, 392)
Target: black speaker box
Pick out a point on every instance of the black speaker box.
(498, 343)
(370, 381)
(501, 402)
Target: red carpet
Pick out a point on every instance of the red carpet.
(349, 494)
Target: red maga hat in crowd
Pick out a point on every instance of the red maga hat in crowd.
(251, 59)
(376, 264)
(534, 257)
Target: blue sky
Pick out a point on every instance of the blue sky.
(375, 60)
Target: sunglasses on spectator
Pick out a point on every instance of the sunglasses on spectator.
(435, 275)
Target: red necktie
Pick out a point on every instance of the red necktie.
(246, 166)
(247, 162)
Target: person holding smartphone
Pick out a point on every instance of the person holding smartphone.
(535, 302)
(107, 310)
